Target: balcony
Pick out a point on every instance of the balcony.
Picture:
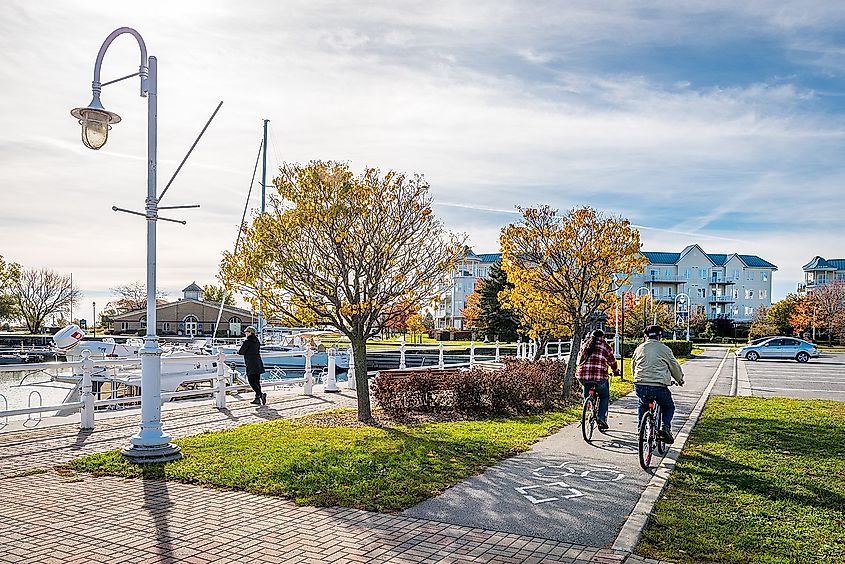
(666, 298)
(720, 300)
(722, 280)
(720, 316)
(657, 277)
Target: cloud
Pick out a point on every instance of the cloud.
(704, 122)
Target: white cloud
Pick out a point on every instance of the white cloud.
(445, 89)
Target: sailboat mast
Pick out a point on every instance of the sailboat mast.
(263, 206)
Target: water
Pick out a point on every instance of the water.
(20, 395)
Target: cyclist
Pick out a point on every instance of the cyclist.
(654, 368)
(594, 358)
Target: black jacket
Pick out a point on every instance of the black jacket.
(251, 351)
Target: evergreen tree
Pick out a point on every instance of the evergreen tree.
(494, 321)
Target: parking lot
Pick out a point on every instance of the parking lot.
(822, 377)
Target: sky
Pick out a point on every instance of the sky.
(720, 123)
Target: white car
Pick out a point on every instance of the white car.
(779, 347)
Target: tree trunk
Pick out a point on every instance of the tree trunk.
(573, 361)
(362, 383)
(541, 347)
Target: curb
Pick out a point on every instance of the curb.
(632, 530)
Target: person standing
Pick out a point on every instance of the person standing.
(654, 368)
(594, 360)
(251, 351)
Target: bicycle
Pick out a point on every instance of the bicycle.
(649, 440)
(589, 414)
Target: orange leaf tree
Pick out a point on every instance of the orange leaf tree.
(568, 263)
(352, 250)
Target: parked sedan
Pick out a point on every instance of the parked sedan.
(779, 347)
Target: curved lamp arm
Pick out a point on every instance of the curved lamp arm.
(143, 69)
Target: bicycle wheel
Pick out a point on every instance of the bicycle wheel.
(662, 448)
(645, 445)
(588, 418)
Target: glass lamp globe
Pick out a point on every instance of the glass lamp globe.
(95, 122)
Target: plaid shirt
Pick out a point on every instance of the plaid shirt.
(594, 369)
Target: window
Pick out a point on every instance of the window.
(749, 275)
(702, 292)
(702, 273)
(735, 293)
(165, 326)
(749, 294)
(143, 321)
(749, 310)
(764, 276)
(789, 343)
(124, 326)
(687, 273)
(736, 274)
(763, 294)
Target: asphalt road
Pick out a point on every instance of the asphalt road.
(563, 488)
(820, 378)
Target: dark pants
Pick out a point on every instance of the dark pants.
(603, 392)
(255, 384)
(662, 396)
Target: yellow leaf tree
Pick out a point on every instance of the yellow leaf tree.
(345, 249)
(569, 263)
(471, 311)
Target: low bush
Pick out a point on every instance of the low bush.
(520, 387)
(679, 348)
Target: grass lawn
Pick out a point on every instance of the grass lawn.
(761, 480)
(375, 468)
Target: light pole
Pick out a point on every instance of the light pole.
(150, 444)
(94, 322)
(653, 309)
(682, 300)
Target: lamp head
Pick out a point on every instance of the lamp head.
(96, 122)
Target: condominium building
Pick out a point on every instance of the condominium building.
(459, 285)
(819, 272)
(729, 286)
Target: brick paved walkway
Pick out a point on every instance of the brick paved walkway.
(48, 517)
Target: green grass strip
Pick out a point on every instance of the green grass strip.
(761, 480)
(374, 468)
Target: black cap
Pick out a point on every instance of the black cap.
(653, 331)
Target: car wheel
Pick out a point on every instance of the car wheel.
(802, 357)
(752, 356)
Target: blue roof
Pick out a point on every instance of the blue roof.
(818, 263)
(756, 262)
(661, 258)
(490, 257)
(718, 259)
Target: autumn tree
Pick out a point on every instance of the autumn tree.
(216, 294)
(760, 324)
(396, 317)
(828, 302)
(42, 292)
(131, 297)
(570, 263)
(346, 247)
(496, 321)
(641, 311)
(540, 320)
(471, 311)
(415, 326)
(9, 275)
(780, 312)
(698, 321)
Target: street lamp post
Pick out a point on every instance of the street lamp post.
(150, 444)
(94, 318)
(653, 309)
(682, 300)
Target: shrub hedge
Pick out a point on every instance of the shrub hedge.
(521, 387)
(679, 348)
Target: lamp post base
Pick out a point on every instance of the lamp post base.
(152, 455)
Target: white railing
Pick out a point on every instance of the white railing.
(222, 381)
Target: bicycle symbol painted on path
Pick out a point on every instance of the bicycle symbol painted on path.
(568, 470)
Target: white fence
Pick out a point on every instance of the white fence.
(222, 382)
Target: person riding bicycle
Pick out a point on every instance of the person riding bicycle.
(594, 358)
(654, 368)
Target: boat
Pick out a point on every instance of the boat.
(287, 352)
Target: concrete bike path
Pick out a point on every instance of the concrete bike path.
(563, 488)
